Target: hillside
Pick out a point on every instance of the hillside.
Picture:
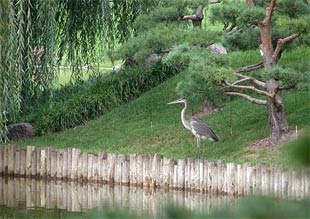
(148, 125)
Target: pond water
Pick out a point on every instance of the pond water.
(19, 195)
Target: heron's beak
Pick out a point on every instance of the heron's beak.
(181, 100)
(173, 102)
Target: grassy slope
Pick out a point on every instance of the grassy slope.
(149, 125)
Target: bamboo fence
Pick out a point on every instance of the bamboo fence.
(153, 171)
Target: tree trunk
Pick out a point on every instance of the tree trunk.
(250, 3)
(207, 107)
(276, 115)
(266, 45)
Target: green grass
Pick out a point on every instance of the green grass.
(64, 74)
(149, 125)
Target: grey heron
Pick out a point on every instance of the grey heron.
(196, 126)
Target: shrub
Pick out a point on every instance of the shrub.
(73, 104)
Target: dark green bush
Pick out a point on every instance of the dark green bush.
(74, 104)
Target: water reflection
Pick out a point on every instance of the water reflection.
(20, 193)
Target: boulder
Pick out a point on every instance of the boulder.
(20, 130)
(217, 49)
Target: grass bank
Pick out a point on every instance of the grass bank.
(148, 125)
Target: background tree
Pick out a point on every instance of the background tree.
(174, 33)
(271, 53)
(270, 26)
(37, 36)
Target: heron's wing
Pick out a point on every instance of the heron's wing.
(202, 130)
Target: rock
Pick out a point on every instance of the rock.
(20, 130)
(153, 58)
(217, 49)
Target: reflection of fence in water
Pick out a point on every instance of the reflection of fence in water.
(72, 196)
(153, 171)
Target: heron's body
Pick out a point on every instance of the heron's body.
(196, 126)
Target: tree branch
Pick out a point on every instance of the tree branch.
(215, 1)
(195, 18)
(241, 80)
(247, 97)
(250, 67)
(251, 88)
(270, 10)
(253, 80)
(280, 44)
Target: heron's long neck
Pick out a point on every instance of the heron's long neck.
(183, 118)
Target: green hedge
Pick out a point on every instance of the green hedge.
(74, 104)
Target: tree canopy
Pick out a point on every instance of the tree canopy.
(267, 25)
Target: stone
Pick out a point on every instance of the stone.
(217, 49)
(20, 130)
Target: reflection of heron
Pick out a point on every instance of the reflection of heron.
(199, 129)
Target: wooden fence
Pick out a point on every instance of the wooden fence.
(153, 171)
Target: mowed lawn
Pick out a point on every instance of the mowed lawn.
(148, 125)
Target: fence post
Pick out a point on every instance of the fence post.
(187, 173)
(90, 167)
(101, 156)
(278, 181)
(43, 163)
(1, 161)
(209, 175)
(125, 172)
(11, 159)
(205, 176)
(65, 175)
(166, 174)
(118, 169)
(83, 164)
(22, 162)
(95, 170)
(231, 179)
(258, 179)
(181, 170)
(146, 171)
(171, 169)
(220, 176)
(250, 172)
(60, 163)
(53, 164)
(104, 168)
(31, 161)
(157, 166)
(75, 159)
(133, 169)
(5, 160)
(194, 177)
(48, 162)
(38, 162)
(17, 162)
(201, 176)
(139, 170)
(111, 168)
(214, 175)
(306, 182)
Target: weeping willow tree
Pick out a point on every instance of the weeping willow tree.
(36, 36)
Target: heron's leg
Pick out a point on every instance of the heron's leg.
(198, 147)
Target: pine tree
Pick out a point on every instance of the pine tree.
(268, 25)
